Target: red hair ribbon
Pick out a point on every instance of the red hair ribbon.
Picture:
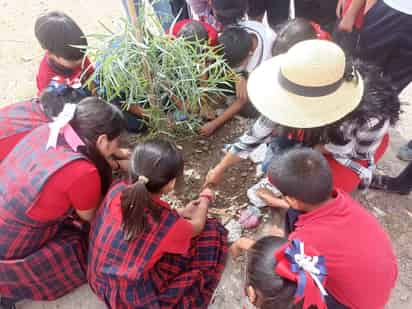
(309, 273)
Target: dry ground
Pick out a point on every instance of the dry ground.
(19, 59)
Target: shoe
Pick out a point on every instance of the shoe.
(380, 182)
(405, 153)
(6, 303)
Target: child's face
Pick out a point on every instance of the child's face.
(69, 64)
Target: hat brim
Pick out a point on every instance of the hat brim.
(289, 109)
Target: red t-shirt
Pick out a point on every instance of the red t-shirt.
(359, 17)
(361, 265)
(46, 73)
(176, 241)
(76, 185)
(211, 31)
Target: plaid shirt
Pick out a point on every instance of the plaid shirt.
(117, 269)
(38, 260)
(21, 117)
(363, 142)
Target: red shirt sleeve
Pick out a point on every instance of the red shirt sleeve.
(44, 75)
(176, 241)
(178, 238)
(75, 185)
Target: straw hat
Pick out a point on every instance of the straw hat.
(306, 87)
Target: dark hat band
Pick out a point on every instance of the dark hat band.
(308, 91)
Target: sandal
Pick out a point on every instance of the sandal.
(381, 182)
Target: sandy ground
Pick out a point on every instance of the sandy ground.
(19, 58)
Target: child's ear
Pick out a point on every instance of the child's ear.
(169, 186)
(251, 294)
(293, 203)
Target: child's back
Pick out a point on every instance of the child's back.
(143, 254)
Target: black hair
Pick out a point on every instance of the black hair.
(237, 44)
(58, 33)
(229, 12)
(380, 101)
(275, 291)
(160, 162)
(93, 118)
(303, 174)
(292, 32)
(193, 31)
(53, 100)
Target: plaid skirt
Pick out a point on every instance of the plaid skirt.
(176, 281)
(50, 272)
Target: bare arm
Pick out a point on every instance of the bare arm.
(348, 20)
(215, 175)
(241, 245)
(210, 127)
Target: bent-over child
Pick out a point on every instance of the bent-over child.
(64, 43)
(144, 254)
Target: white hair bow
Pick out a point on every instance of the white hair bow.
(60, 124)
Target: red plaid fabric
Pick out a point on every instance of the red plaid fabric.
(38, 260)
(117, 271)
(21, 117)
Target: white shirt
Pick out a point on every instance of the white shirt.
(265, 36)
(404, 6)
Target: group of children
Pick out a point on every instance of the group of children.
(323, 116)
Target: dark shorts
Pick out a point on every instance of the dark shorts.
(320, 11)
(386, 40)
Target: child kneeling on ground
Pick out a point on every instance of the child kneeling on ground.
(64, 43)
(361, 265)
(143, 254)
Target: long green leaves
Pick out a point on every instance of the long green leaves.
(164, 75)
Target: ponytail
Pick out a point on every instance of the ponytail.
(135, 202)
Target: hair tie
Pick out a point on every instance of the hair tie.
(143, 180)
(309, 272)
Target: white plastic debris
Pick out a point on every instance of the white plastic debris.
(263, 184)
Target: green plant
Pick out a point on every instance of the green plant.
(159, 73)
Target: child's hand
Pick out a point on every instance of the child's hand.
(208, 128)
(347, 22)
(264, 194)
(240, 245)
(214, 176)
(271, 199)
(188, 210)
(122, 154)
(207, 194)
(339, 8)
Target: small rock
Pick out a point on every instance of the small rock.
(244, 174)
(232, 179)
(404, 297)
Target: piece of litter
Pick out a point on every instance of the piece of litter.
(234, 229)
(379, 212)
(259, 154)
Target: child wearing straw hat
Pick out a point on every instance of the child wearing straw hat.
(313, 96)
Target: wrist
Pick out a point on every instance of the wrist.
(206, 197)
